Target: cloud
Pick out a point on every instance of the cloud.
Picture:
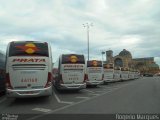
(133, 25)
(157, 60)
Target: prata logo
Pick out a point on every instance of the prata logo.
(29, 48)
(73, 59)
(95, 63)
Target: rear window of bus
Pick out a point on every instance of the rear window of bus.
(108, 66)
(117, 68)
(124, 69)
(28, 49)
(94, 63)
(73, 59)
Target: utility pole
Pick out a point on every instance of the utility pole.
(87, 26)
(102, 56)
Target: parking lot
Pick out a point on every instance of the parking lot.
(119, 97)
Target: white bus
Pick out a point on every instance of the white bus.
(136, 74)
(94, 73)
(117, 73)
(28, 69)
(124, 73)
(108, 71)
(131, 74)
(69, 72)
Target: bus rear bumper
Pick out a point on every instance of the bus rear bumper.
(117, 79)
(95, 82)
(125, 79)
(72, 86)
(29, 93)
(109, 80)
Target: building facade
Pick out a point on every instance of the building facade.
(2, 60)
(124, 59)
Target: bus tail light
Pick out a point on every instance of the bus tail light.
(8, 82)
(85, 78)
(49, 81)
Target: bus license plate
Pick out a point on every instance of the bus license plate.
(73, 78)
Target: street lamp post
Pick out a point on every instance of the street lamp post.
(87, 26)
(102, 56)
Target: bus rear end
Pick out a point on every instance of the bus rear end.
(137, 74)
(131, 75)
(108, 71)
(72, 72)
(124, 73)
(94, 72)
(117, 73)
(28, 69)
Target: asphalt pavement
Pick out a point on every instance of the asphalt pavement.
(140, 96)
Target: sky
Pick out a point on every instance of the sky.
(113, 25)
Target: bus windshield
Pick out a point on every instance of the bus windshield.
(28, 49)
(73, 59)
(108, 66)
(94, 63)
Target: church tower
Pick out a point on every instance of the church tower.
(109, 56)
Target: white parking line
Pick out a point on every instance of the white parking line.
(83, 97)
(57, 98)
(59, 101)
(42, 110)
(67, 106)
(3, 99)
(65, 102)
(100, 91)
